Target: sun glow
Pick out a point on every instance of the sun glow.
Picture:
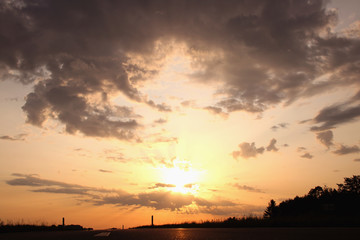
(181, 178)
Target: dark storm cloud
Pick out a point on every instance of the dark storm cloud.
(165, 200)
(247, 150)
(326, 138)
(343, 149)
(259, 54)
(247, 188)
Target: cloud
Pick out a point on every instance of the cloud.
(242, 210)
(157, 200)
(247, 188)
(271, 146)
(34, 181)
(300, 149)
(256, 53)
(162, 185)
(334, 115)
(18, 137)
(77, 191)
(216, 110)
(188, 103)
(357, 159)
(307, 155)
(247, 150)
(280, 125)
(326, 138)
(160, 107)
(66, 104)
(105, 171)
(114, 155)
(164, 139)
(337, 114)
(160, 121)
(165, 200)
(343, 149)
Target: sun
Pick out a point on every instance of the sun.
(181, 179)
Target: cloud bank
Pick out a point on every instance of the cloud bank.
(158, 199)
(78, 55)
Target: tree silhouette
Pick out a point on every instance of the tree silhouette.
(270, 210)
(316, 192)
(351, 185)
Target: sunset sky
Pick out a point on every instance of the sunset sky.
(113, 111)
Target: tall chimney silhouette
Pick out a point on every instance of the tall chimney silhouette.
(63, 222)
(152, 220)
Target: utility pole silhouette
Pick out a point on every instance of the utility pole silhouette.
(63, 222)
(152, 220)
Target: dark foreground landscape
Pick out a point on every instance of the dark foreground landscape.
(195, 234)
(323, 213)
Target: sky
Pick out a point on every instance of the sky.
(113, 111)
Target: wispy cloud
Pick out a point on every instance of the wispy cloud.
(338, 114)
(307, 155)
(160, 121)
(343, 150)
(280, 126)
(158, 199)
(248, 188)
(162, 185)
(18, 137)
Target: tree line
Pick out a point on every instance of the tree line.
(320, 206)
